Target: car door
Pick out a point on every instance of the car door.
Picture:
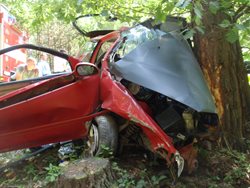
(47, 109)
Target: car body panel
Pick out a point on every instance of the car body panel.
(46, 110)
(54, 116)
(116, 98)
(170, 68)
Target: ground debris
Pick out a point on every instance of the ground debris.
(135, 167)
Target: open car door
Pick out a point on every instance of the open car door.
(50, 108)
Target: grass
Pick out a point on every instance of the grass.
(217, 168)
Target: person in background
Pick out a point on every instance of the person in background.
(43, 66)
(27, 71)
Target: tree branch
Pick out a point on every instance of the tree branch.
(245, 8)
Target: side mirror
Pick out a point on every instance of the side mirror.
(86, 69)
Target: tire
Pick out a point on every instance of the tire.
(103, 136)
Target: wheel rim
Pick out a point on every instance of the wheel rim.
(93, 139)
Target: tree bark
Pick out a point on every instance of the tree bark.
(222, 65)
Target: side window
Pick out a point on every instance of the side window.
(102, 51)
(25, 64)
(60, 65)
(85, 53)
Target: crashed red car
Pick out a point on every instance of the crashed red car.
(138, 85)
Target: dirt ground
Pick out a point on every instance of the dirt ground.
(135, 167)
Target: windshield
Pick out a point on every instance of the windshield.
(135, 37)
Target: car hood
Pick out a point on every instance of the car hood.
(167, 65)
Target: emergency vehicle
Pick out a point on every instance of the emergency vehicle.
(10, 35)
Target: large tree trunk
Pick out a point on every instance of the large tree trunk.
(225, 73)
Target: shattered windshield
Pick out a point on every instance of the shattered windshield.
(135, 37)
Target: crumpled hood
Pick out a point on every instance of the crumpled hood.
(168, 66)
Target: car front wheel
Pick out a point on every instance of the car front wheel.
(103, 136)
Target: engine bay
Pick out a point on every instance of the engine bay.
(182, 123)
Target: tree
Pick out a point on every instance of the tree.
(58, 35)
(215, 25)
(222, 63)
(48, 23)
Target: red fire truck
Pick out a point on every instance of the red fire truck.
(10, 35)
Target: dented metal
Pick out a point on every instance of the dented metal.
(148, 78)
(180, 163)
(164, 63)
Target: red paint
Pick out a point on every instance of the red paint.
(60, 114)
(145, 107)
(113, 35)
(51, 117)
(73, 62)
(116, 99)
(1, 17)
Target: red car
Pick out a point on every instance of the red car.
(139, 85)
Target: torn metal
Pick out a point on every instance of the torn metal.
(163, 62)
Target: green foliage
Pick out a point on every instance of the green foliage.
(214, 6)
(33, 16)
(183, 3)
(213, 185)
(127, 179)
(53, 172)
(232, 35)
(38, 171)
(124, 178)
(225, 23)
(105, 152)
(241, 168)
(31, 170)
(190, 33)
(198, 9)
(155, 180)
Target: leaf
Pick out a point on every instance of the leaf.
(230, 13)
(160, 15)
(240, 26)
(189, 34)
(200, 29)
(79, 2)
(197, 20)
(232, 35)
(225, 23)
(183, 3)
(141, 183)
(214, 7)
(105, 13)
(226, 4)
(162, 178)
(198, 10)
(180, 3)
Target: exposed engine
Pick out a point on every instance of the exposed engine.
(177, 120)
